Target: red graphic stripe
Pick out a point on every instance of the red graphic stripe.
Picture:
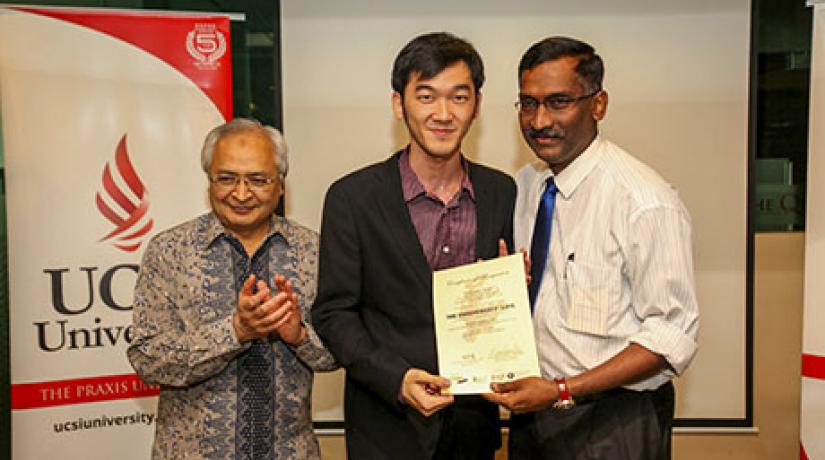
(164, 36)
(802, 454)
(144, 207)
(118, 196)
(135, 211)
(813, 366)
(129, 248)
(140, 232)
(79, 391)
(127, 171)
(107, 212)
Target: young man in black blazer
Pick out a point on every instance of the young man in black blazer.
(385, 229)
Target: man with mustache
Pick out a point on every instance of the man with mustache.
(611, 287)
(385, 229)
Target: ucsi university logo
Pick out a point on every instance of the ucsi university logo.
(124, 202)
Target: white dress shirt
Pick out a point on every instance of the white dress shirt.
(619, 269)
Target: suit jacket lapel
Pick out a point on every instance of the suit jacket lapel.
(485, 222)
(397, 217)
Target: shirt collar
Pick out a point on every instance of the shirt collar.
(412, 187)
(569, 179)
(215, 230)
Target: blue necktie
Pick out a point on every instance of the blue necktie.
(540, 245)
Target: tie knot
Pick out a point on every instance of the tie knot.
(551, 187)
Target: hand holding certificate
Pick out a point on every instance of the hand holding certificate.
(483, 328)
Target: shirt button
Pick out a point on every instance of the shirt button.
(445, 249)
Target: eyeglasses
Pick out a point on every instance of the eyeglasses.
(556, 103)
(256, 182)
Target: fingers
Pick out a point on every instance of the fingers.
(502, 248)
(422, 391)
(423, 377)
(495, 398)
(504, 387)
(504, 395)
(282, 284)
(282, 314)
(263, 290)
(249, 301)
(524, 395)
(528, 265)
(246, 289)
(275, 312)
(262, 313)
(527, 262)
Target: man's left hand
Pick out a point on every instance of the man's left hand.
(291, 330)
(502, 252)
(524, 395)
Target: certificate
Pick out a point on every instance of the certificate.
(483, 328)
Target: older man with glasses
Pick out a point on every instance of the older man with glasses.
(221, 313)
(611, 287)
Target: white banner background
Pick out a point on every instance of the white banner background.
(68, 95)
(813, 339)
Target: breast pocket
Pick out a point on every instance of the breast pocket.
(589, 288)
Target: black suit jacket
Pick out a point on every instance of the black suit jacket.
(374, 309)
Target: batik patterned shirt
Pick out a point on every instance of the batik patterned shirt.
(184, 341)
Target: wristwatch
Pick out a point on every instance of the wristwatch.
(565, 401)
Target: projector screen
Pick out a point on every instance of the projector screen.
(677, 78)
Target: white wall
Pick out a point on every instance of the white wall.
(677, 77)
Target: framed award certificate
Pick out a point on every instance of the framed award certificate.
(483, 327)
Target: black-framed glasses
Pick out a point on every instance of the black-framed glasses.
(255, 182)
(555, 103)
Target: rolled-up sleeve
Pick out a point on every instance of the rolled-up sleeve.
(660, 271)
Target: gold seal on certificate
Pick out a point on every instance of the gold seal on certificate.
(483, 329)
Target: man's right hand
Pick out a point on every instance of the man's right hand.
(527, 394)
(422, 391)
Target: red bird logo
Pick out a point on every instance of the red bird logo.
(130, 215)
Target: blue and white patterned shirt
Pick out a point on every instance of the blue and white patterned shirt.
(184, 341)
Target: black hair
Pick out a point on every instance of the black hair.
(590, 68)
(431, 53)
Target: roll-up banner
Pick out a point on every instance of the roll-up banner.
(103, 115)
(813, 339)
